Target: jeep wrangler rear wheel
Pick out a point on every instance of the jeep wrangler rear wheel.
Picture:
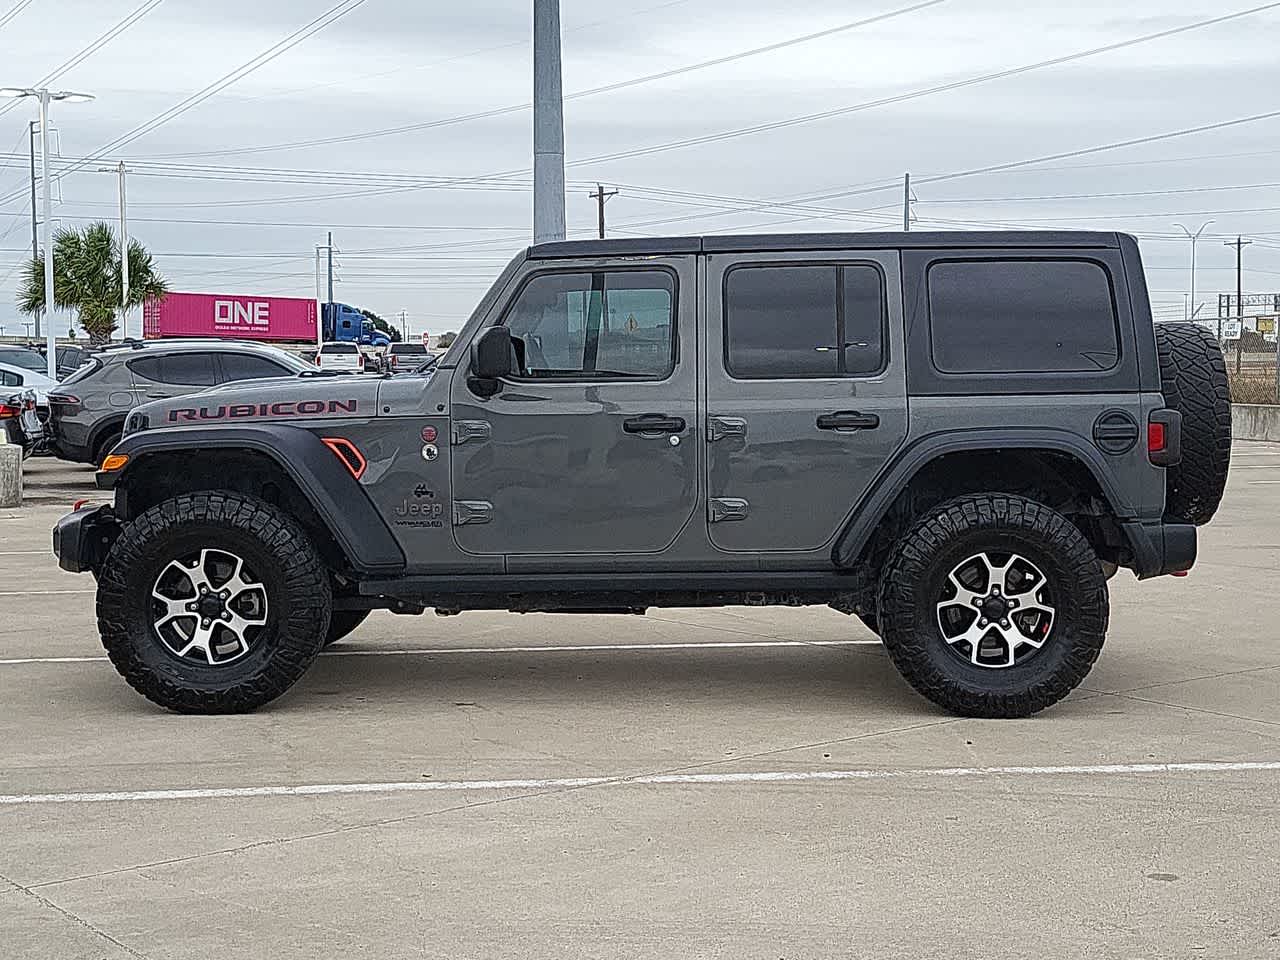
(213, 603)
(994, 606)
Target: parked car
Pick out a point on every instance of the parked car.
(69, 359)
(87, 411)
(14, 377)
(342, 357)
(405, 356)
(19, 422)
(23, 357)
(956, 437)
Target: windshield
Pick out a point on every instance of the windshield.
(27, 359)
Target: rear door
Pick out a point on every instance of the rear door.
(588, 448)
(806, 393)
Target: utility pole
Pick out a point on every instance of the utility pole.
(403, 317)
(1194, 238)
(601, 196)
(35, 217)
(329, 247)
(1240, 243)
(548, 124)
(319, 306)
(906, 203)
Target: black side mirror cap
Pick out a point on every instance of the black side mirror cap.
(491, 354)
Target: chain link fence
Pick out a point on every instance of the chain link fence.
(1253, 378)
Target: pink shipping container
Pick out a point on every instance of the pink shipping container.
(281, 319)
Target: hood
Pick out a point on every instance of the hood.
(276, 399)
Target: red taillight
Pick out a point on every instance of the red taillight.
(360, 360)
(1157, 439)
(317, 359)
(8, 411)
(63, 398)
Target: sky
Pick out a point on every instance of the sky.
(424, 218)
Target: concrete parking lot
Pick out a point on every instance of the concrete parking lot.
(720, 783)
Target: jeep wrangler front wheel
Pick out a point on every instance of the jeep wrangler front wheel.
(213, 603)
(994, 606)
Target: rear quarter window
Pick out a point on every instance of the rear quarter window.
(1022, 316)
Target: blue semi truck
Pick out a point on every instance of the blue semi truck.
(344, 323)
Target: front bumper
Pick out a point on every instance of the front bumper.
(82, 538)
(1160, 548)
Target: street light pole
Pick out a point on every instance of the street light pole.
(46, 97)
(51, 338)
(548, 124)
(1194, 238)
(35, 217)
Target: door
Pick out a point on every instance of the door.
(806, 393)
(588, 447)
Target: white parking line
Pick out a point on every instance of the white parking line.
(434, 651)
(43, 593)
(715, 779)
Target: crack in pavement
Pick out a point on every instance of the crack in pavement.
(74, 918)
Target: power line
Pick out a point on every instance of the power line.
(13, 11)
(607, 88)
(329, 17)
(916, 94)
(1104, 196)
(141, 11)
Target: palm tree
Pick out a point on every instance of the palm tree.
(86, 278)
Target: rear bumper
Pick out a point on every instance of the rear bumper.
(81, 539)
(1161, 548)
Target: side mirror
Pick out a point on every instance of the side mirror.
(491, 354)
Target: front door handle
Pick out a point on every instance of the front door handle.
(848, 421)
(653, 423)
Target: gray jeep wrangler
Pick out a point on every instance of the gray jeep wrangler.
(956, 437)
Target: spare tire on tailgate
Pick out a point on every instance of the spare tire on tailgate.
(1193, 379)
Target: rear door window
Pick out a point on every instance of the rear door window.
(339, 348)
(244, 366)
(1022, 316)
(181, 369)
(803, 322)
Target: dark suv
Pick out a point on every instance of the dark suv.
(88, 410)
(956, 437)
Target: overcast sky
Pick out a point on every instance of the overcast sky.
(391, 63)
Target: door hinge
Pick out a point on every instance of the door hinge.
(718, 428)
(724, 509)
(471, 511)
(464, 430)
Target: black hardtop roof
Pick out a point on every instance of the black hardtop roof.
(759, 242)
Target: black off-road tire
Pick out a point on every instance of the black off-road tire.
(297, 589)
(912, 586)
(1193, 379)
(342, 622)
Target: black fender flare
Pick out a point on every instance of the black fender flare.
(337, 497)
(864, 520)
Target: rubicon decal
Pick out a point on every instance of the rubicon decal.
(284, 408)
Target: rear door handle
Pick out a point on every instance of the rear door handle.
(653, 423)
(848, 421)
